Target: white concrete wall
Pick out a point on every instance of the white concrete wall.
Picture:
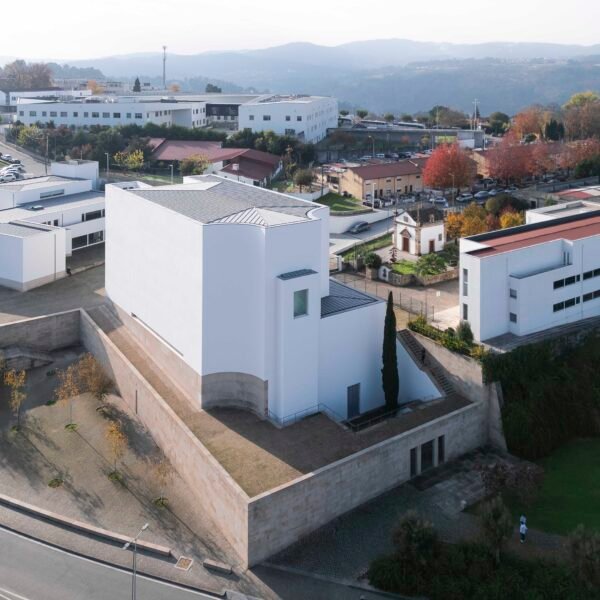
(44, 256)
(11, 265)
(154, 270)
(350, 347)
(316, 114)
(414, 383)
(531, 272)
(77, 169)
(432, 232)
(81, 114)
(10, 197)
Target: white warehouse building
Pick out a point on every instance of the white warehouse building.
(229, 285)
(110, 111)
(305, 117)
(43, 220)
(531, 278)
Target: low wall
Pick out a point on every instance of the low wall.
(47, 333)
(281, 516)
(311, 196)
(216, 492)
(341, 224)
(404, 280)
(466, 376)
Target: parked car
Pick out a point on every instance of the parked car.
(493, 192)
(488, 181)
(359, 227)
(7, 157)
(362, 158)
(8, 178)
(483, 195)
(380, 155)
(465, 197)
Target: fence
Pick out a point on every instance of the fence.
(403, 299)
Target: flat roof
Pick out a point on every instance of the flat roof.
(568, 228)
(394, 169)
(343, 298)
(21, 230)
(24, 212)
(217, 200)
(33, 182)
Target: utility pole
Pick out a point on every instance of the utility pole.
(164, 67)
(475, 111)
(133, 542)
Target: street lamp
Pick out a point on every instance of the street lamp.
(171, 167)
(126, 547)
(107, 165)
(370, 137)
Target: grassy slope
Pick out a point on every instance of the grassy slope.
(340, 203)
(571, 491)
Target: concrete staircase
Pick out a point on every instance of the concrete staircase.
(142, 361)
(431, 366)
(22, 358)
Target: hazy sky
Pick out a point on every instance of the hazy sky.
(68, 29)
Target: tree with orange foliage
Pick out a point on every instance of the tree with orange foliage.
(454, 225)
(510, 160)
(174, 88)
(449, 166)
(530, 120)
(474, 220)
(511, 218)
(94, 87)
(542, 159)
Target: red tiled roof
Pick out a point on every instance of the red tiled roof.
(571, 230)
(395, 169)
(250, 169)
(175, 150)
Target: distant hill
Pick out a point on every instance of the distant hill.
(397, 75)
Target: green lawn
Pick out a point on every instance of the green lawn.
(364, 249)
(340, 203)
(404, 267)
(570, 494)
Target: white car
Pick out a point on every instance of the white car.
(464, 197)
(8, 178)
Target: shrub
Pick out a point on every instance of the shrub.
(415, 542)
(496, 525)
(584, 550)
(430, 264)
(464, 333)
(373, 260)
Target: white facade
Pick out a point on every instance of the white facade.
(112, 112)
(9, 98)
(305, 117)
(219, 273)
(563, 209)
(531, 278)
(43, 220)
(419, 234)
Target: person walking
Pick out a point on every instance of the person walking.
(523, 520)
(522, 532)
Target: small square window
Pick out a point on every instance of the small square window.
(558, 306)
(513, 318)
(513, 293)
(588, 275)
(465, 312)
(558, 284)
(300, 303)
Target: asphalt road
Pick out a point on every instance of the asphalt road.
(32, 166)
(30, 570)
(338, 242)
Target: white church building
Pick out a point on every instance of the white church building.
(229, 285)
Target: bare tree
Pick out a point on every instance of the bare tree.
(92, 377)
(69, 387)
(162, 472)
(496, 524)
(117, 441)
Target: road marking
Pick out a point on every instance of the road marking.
(13, 595)
(98, 564)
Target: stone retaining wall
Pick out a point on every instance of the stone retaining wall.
(218, 494)
(283, 515)
(46, 334)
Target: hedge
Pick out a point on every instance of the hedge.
(551, 393)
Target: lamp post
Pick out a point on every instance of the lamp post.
(171, 167)
(126, 547)
(107, 165)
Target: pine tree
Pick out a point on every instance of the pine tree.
(389, 372)
(137, 86)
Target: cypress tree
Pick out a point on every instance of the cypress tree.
(389, 372)
(137, 86)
